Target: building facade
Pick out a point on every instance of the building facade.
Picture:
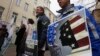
(4, 9)
(44, 3)
(50, 14)
(89, 4)
(23, 9)
(14, 11)
(18, 10)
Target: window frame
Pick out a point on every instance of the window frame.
(26, 6)
(1, 11)
(18, 2)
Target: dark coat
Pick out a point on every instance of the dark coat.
(3, 34)
(20, 35)
(42, 26)
(20, 40)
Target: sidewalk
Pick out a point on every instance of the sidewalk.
(11, 51)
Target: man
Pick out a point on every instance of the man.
(68, 8)
(42, 26)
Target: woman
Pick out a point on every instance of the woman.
(19, 38)
(29, 41)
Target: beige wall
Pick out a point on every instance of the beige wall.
(49, 14)
(44, 3)
(31, 10)
(21, 12)
(6, 5)
(7, 14)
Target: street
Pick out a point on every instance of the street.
(11, 51)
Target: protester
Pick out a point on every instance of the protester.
(20, 36)
(68, 8)
(42, 26)
(29, 42)
(3, 34)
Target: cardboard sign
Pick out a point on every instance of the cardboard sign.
(69, 35)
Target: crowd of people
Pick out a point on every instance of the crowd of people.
(25, 33)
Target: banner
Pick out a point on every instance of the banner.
(69, 35)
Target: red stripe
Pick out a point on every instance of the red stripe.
(79, 28)
(74, 19)
(83, 42)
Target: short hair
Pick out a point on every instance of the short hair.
(42, 8)
(30, 21)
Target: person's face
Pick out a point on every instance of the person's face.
(63, 3)
(39, 11)
(96, 15)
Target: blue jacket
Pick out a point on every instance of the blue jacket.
(94, 31)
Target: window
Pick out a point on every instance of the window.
(23, 17)
(26, 6)
(24, 20)
(34, 11)
(18, 2)
(14, 17)
(1, 11)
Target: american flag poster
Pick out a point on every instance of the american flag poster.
(69, 35)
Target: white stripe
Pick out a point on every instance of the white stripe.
(81, 48)
(72, 17)
(81, 35)
(93, 30)
(77, 23)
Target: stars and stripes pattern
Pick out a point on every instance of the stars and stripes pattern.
(51, 34)
(74, 33)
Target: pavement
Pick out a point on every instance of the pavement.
(11, 51)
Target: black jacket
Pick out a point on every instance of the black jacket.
(42, 26)
(20, 35)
